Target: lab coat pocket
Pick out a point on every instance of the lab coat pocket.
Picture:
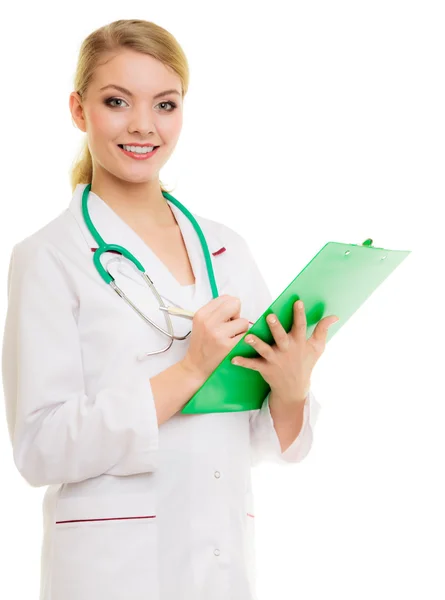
(105, 547)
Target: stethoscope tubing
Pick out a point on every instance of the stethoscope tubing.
(109, 279)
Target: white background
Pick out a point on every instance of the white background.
(305, 122)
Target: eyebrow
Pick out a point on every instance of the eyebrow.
(125, 91)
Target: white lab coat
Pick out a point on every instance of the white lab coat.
(133, 511)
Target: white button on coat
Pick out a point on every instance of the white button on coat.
(130, 510)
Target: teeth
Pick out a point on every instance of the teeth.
(138, 149)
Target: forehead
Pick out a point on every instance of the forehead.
(136, 71)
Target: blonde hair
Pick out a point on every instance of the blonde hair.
(139, 35)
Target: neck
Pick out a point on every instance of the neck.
(135, 203)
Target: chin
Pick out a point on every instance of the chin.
(137, 178)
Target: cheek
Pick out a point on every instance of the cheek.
(170, 128)
(103, 124)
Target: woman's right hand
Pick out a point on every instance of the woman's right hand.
(217, 328)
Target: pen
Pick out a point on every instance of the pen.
(180, 312)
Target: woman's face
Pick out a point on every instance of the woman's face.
(143, 114)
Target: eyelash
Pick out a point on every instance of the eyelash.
(108, 100)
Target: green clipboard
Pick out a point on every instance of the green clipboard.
(337, 281)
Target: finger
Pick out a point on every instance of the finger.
(255, 364)
(234, 327)
(299, 326)
(229, 308)
(236, 338)
(320, 333)
(263, 349)
(278, 332)
(213, 304)
(203, 313)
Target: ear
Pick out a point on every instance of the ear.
(77, 112)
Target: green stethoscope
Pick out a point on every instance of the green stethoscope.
(109, 279)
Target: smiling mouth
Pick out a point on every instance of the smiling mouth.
(129, 145)
(141, 154)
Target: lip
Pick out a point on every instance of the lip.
(133, 144)
(135, 156)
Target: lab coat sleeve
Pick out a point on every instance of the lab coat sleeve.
(265, 445)
(58, 433)
(264, 442)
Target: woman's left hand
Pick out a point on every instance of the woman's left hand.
(287, 365)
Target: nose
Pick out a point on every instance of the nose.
(142, 122)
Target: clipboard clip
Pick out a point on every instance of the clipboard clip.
(367, 242)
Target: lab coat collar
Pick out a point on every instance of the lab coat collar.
(116, 231)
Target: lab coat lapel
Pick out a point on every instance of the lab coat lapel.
(114, 230)
(203, 291)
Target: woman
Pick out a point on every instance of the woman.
(143, 502)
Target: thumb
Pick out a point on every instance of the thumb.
(321, 330)
(332, 320)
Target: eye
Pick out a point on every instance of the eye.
(172, 104)
(109, 100)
